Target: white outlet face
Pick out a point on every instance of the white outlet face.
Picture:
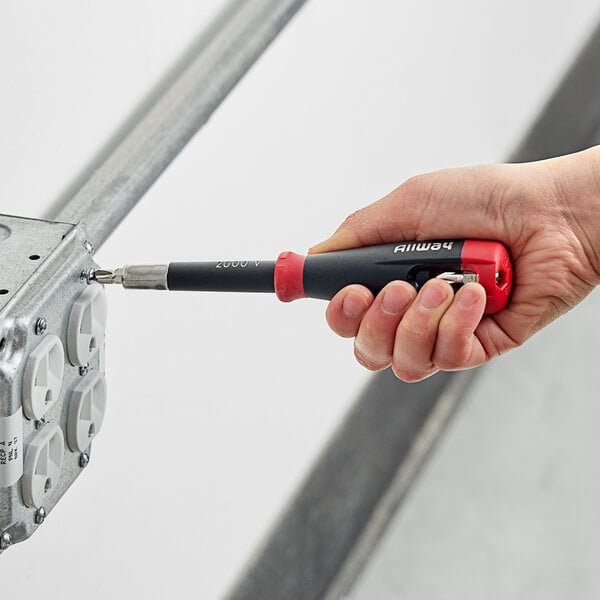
(43, 463)
(87, 324)
(86, 411)
(43, 377)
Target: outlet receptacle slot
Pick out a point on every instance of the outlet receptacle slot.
(87, 325)
(43, 376)
(86, 411)
(43, 463)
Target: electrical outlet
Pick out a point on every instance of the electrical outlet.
(46, 366)
(43, 463)
(87, 324)
(43, 377)
(86, 411)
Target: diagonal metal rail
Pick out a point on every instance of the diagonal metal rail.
(570, 120)
(242, 33)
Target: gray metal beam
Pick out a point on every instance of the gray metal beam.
(570, 120)
(335, 506)
(242, 33)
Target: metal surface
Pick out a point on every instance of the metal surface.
(5, 540)
(41, 326)
(117, 185)
(378, 447)
(40, 515)
(141, 277)
(40, 266)
(448, 399)
(570, 121)
(461, 278)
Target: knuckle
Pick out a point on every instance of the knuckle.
(353, 222)
(370, 362)
(453, 336)
(453, 362)
(338, 323)
(413, 187)
(344, 330)
(372, 332)
(453, 346)
(408, 374)
(414, 332)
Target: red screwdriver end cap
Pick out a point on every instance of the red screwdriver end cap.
(491, 262)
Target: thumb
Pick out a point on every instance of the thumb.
(453, 203)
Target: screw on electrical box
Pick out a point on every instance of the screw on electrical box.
(39, 424)
(84, 460)
(40, 515)
(5, 540)
(84, 370)
(40, 326)
(88, 247)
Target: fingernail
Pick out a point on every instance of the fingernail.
(433, 295)
(468, 296)
(354, 305)
(395, 300)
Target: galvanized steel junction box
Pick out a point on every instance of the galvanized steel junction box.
(52, 319)
(52, 387)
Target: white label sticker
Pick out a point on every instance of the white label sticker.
(11, 449)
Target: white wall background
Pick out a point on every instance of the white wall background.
(218, 405)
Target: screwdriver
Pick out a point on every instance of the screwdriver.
(294, 276)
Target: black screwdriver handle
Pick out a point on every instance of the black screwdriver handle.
(323, 275)
(293, 276)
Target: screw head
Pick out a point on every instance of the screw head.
(84, 460)
(40, 515)
(5, 540)
(84, 370)
(88, 247)
(39, 424)
(40, 326)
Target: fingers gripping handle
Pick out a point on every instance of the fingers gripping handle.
(492, 264)
(323, 275)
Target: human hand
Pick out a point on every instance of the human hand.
(546, 213)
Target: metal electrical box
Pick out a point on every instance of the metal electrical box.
(52, 387)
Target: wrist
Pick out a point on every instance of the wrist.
(577, 181)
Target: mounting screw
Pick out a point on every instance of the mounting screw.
(40, 515)
(5, 540)
(39, 424)
(84, 460)
(84, 370)
(40, 326)
(88, 247)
